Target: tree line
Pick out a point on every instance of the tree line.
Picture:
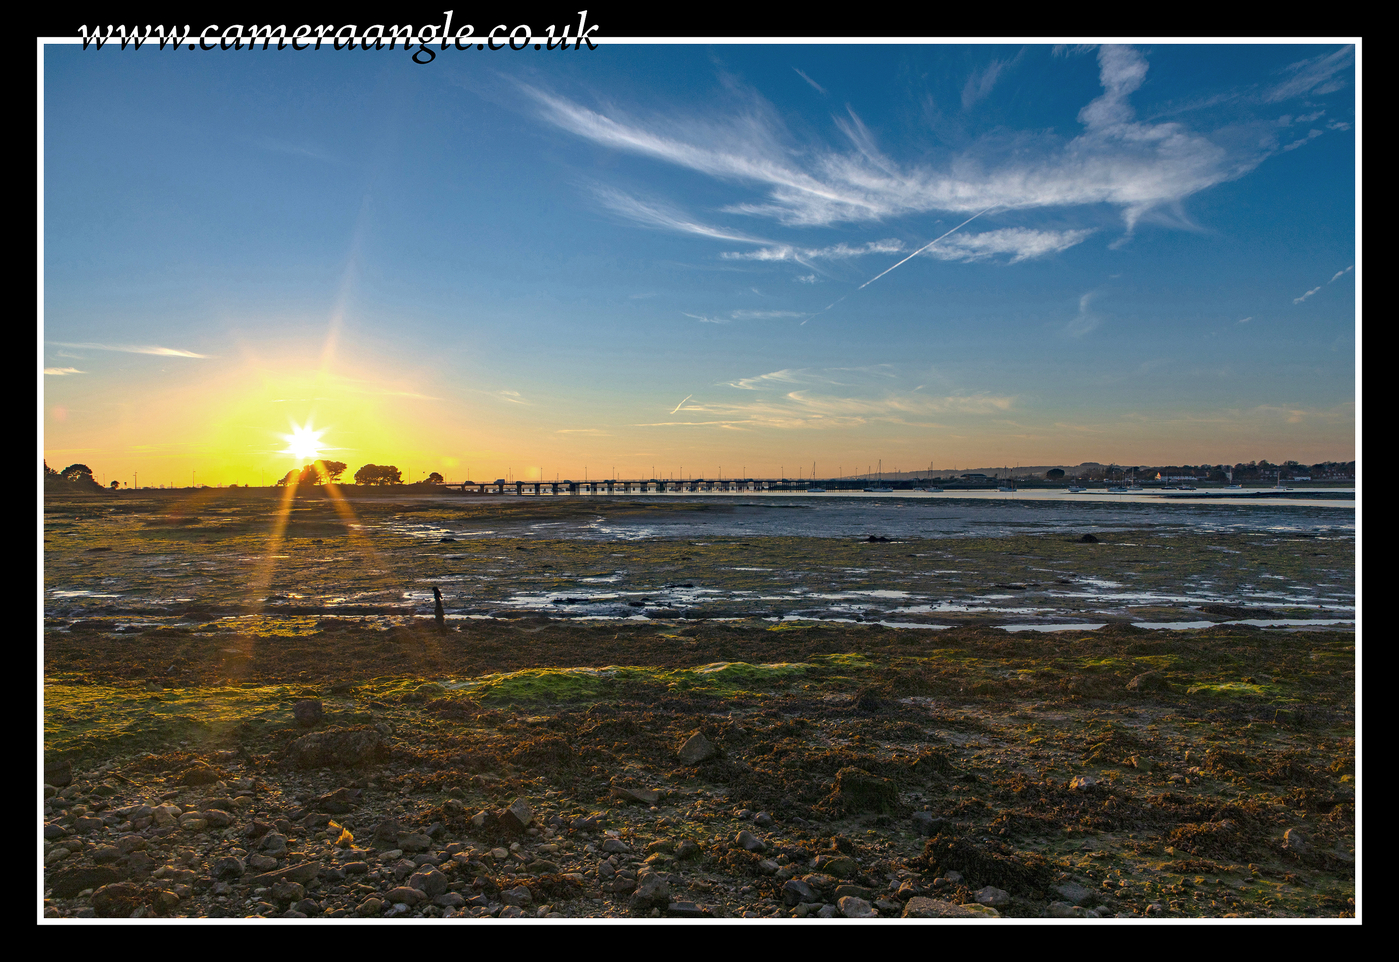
(323, 472)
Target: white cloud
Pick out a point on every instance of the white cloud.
(1298, 300)
(135, 349)
(61, 371)
(1086, 320)
(1340, 274)
(801, 255)
(1311, 135)
(1313, 76)
(662, 216)
(979, 84)
(805, 409)
(1115, 160)
(1020, 242)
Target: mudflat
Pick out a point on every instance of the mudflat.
(240, 761)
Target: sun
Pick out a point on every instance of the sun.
(303, 443)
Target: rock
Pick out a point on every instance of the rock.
(992, 896)
(117, 900)
(414, 842)
(519, 895)
(518, 816)
(200, 773)
(308, 713)
(1082, 782)
(983, 910)
(1088, 539)
(688, 848)
(67, 884)
(856, 908)
(342, 801)
(370, 907)
(652, 891)
(1063, 910)
(921, 907)
(615, 845)
(841, 866)
(405, 895)
(274, 843)
(58, 773)
(856, 790)
(1073, 892)
(644, 796)
(338, 748)
(686, 910)
(386, 834)
(697, 749)
(432, 882)
(750, 842)
(795, 892)
(285, 891)
(229, 866)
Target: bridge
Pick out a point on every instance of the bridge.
(633, 486)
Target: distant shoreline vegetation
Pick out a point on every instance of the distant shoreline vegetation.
(78, 478)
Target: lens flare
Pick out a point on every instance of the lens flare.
(303, 443)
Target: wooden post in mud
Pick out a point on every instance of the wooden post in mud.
(438, 612)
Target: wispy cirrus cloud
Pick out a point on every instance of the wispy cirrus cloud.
(803, 255)
(1316, 75)
(133, 349)
(980, 83)
(1298, 300)
(1116, 159)
(743, 315)
(1339, 274)
(1086, 320)
(810, 409)
(664, 217)
(1020, 243)
(62, 371)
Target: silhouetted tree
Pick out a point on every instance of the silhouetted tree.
(378, 474)
(1054, 474)
(115, 484)
(434, 478)
(333, 469)
(290, 478)
(77, 472)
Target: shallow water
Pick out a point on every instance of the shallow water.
(940, 560)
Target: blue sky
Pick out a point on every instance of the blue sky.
(673, 257)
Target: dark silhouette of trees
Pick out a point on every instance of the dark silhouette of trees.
(77, 472)
(333, 470)
(378, 474)
(434, 478)
(1054, 474)
(115, 484)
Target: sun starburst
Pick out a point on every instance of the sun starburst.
(303, 443)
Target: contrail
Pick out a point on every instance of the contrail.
(682, 403)
(923, 248)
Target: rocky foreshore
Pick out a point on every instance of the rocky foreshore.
(225, 842)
